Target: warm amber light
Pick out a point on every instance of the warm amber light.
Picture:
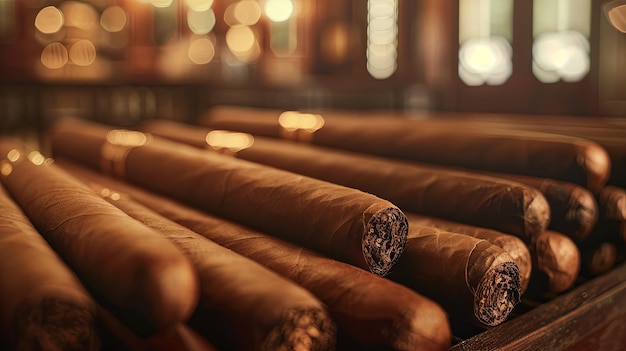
(161, 3)
(247, 12)
(36, 158)
(13, 155)
(113, 19)
(279, 10)
(616, 12)
(201, 22)
(5, 168)
(49, 20)
(291, 121)
(201, 51)
(83, 53)
(54, 56)
(199, 5)
(127, 137)
(233, 141)
(242, 42)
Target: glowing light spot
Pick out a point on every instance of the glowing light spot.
(127, 137)
(279, 10)
(201, 22)
(382, 38)
(54, 56)
(617, 16)
(247, 12)
(201, 51)
(485, 60)
(233, 141)
(83, 53)
(161, 3)
(80, 15)
(113, 19)
(13, 155)
(199, 5)
(561, 56)
(36, 158)
(292, 120)
(115, 196)
(5, 168)
(242, 42)
(49, 20)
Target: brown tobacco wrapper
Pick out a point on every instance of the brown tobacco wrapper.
(107, 249)
(612, 201)
(343, 223)
(546, 155)
(556, 264)
(374, 311)
(43, 306)
(514, 246)
(573, 209)
(471, 278)
(266, 311)
(452, 194)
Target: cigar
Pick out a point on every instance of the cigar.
(545, 155)
(514, 246)
(573, 209)
(612, 202)
(477, 280)
(456, 195)
(107, 249)
(598, 259)
(341, 222)
(556, 264)
(267, 311)
(371, 310)
(44, 305)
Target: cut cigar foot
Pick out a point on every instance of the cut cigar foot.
(385, 239)
(497, 294)
(302, 329)
(56, 323)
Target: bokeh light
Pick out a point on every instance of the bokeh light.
(54, 55)
(382, 38)
(82, 53)
(201, 22)
(279, 10)
(199, 5)
(233, 141)
(201, 51)
(485, 61)
(561, 56)
(49, 20)
(113, 19)
(242, 42)
(161, 3)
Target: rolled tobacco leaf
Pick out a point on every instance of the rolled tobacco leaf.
(341, 222)
(612, 201)
(43, 306)
(371, 310)
(473, 279)
(573, 208)
(546, 155)
(514, 246)
(123, 263)
(456, 195)
(264, 310)
(556, 264)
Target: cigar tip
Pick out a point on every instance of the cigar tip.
(303, 329)
(497, 294)
(384, 239)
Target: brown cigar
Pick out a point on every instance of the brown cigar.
(343, 223)
(514, 246)
(612, 201)
(436, 191)
(107, 249)
(370, 309)
(473, 279)
(556, 264)
(43, 306)
(545, 155)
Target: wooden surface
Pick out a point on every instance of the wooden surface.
(591, 316)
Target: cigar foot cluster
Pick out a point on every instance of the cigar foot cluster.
(497, 294)
(385, 239)
(302, 329)
(56, 324)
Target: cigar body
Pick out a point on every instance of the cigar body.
(572, 159)
(343, 223)
(514, 246)
(556, 264)
(43, 306)
(436, 191)
(120, 260)
(612, 201)
(264, 310)
(471, 276)
(369, 308)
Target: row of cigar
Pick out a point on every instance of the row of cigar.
(266, 230)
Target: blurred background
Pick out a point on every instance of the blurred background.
(121, 61)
